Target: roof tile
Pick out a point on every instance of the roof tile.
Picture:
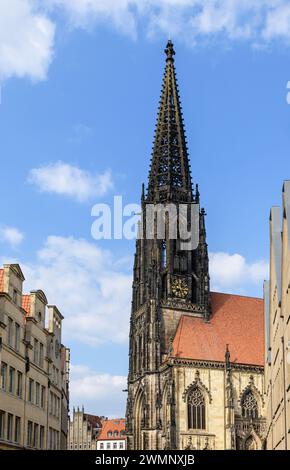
(26, 303)
(112, 425)
(236, 320)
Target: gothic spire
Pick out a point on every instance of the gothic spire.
(169, 177)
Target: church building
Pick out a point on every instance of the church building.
(196, 357)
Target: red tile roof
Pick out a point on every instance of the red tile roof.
(26, 303)
(1, 280)
(236, 320)
(112, 425)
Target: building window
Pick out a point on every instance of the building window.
(108, 445)
(31, 391)
(115, 445)
(163, 254)
(121, 445)
(41, 437)
(116, 434)
(40, 355)
(35, 435)
(2, 424)
(10, 332)
(17, 429)
(11, 379)
(9, 427)
(101, 445)
(109, 433)
(50, 439)
(249, 406)
(42, 397)
(37, 393)
(29, 434)
(19, 384)
(50, 402)
(14, 297)
(196, 410)
(36, 351)
(4, 376)
(17, 337)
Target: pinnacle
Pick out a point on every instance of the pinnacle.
(169, 51)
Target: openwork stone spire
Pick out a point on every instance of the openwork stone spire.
(169, 178)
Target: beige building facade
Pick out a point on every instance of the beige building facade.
(83, 430)
(34, 386)
(277, 331)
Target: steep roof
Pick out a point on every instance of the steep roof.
(112, 425)
(95, 421)
(26, 303)
(169, 177)
(236, 320)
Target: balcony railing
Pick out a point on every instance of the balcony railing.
(244, 426)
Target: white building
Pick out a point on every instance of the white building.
(112, 435)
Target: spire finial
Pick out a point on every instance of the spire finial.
(169, 51)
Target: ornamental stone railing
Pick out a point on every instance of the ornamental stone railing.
(197, 441)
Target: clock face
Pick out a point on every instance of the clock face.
(180, 288)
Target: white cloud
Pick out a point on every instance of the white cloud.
(87, 285)
(85, 13)
(26, 40)
(101, 394)
(69, 180)
(29, 52)
(11, 235)
(93, 289)
(278, 22)
(232, 273)
(189, 20)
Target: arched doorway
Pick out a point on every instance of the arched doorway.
(139, 420)
(250, 443)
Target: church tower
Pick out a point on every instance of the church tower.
(169, 279)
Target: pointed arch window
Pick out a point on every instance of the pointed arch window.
(249, 405)
(196, 409)
(163, 254)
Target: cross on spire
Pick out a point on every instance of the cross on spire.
(169, 177)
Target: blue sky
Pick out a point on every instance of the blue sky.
(80, 88)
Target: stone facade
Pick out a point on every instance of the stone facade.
(277, 331)
(83, 430)
(209, 396)
(34, 393)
